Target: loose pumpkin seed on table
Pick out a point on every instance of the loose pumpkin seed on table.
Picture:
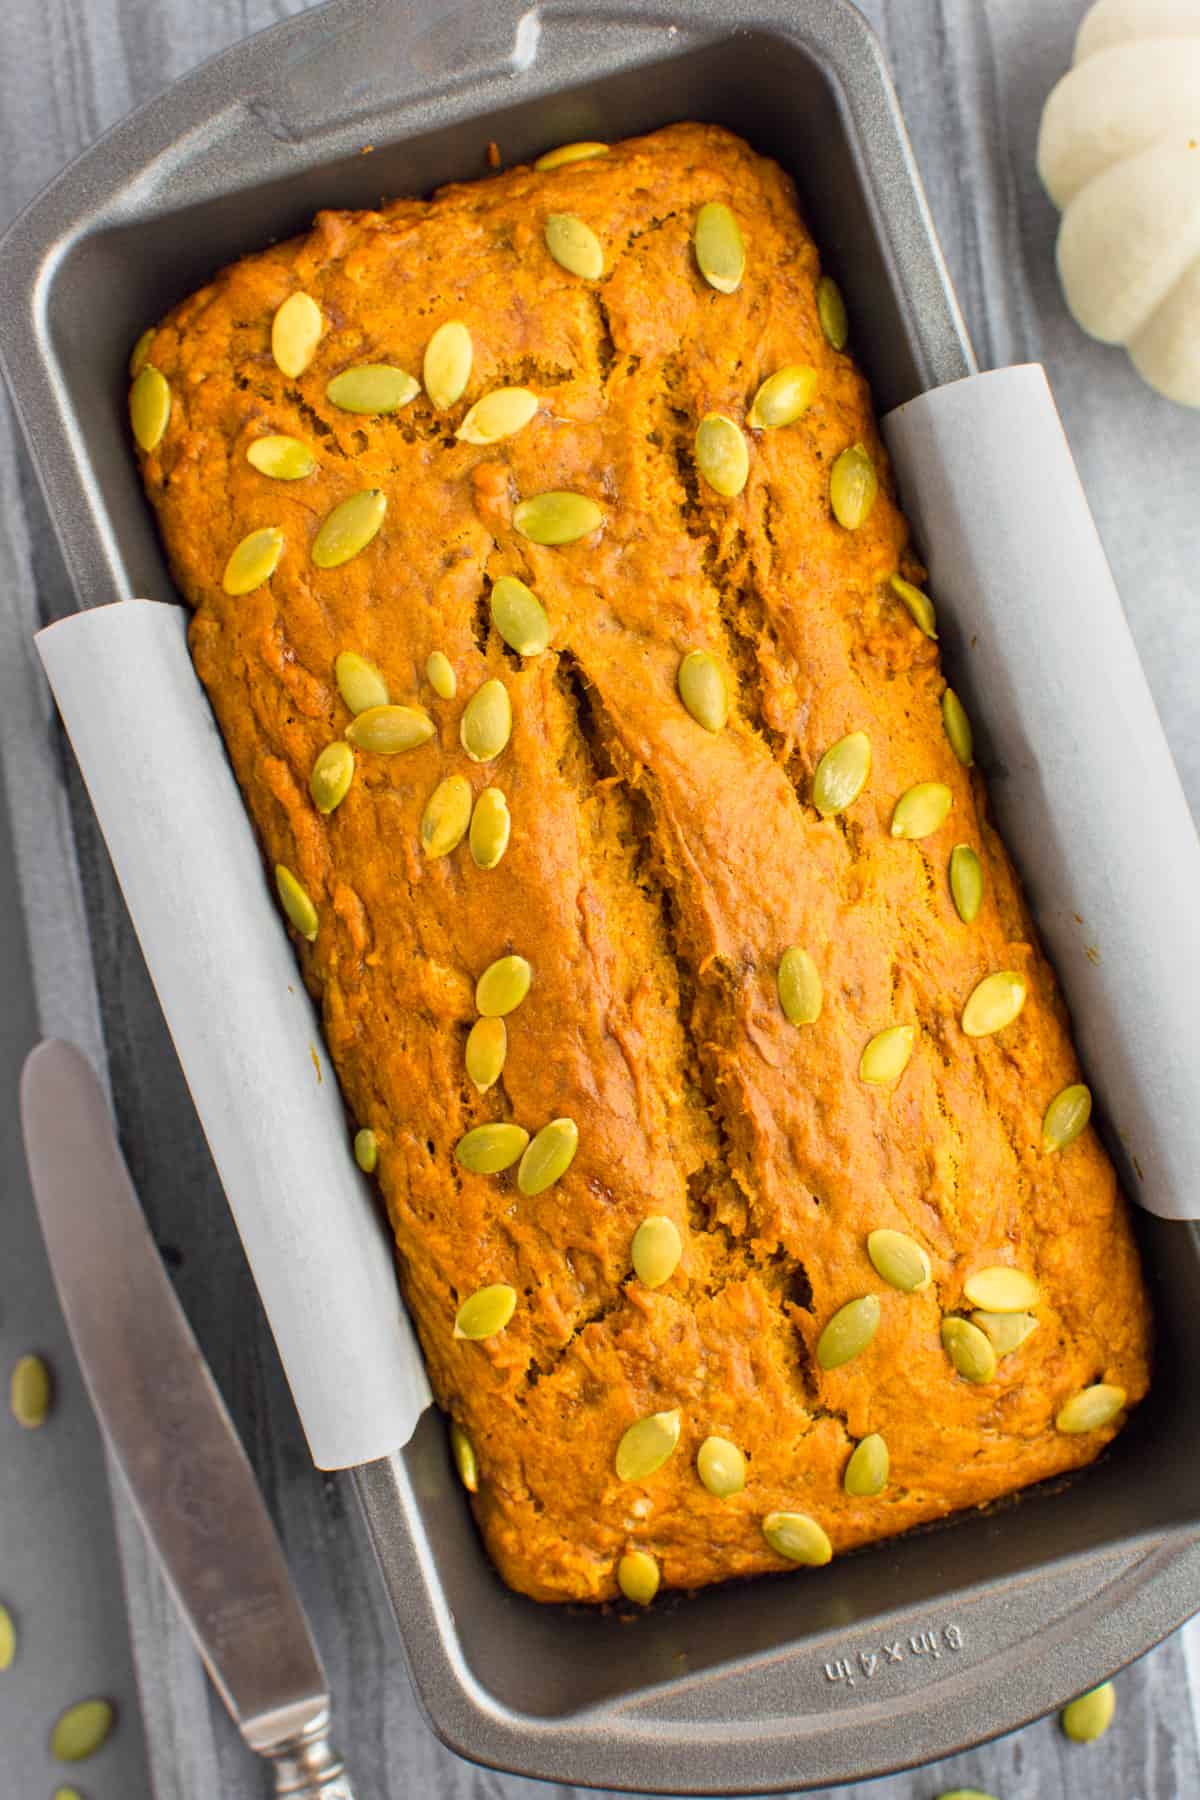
(502, 986)
(638, 1576)
(295, 334)
(31, 1392)
(920, 606)
(722, 456)
(465, 1460)
(548, 1157)
(332, 774)
(799, 987)
(1066, 1116)
(359, 682)
(1088, 1718)
(519, 616)
(720, 252)
(490, 1149)
(498, 415)
(583, 151)
(848, 1333)
(491, 827)
(798, 1538)
(646, 1445)
(557, 517)
(842, 774)
(721, 1467)
(349, 528)
(487, 1048)
(657, 1248)
(966, 882)
(296, 902)
(487, 1311)
(366, 1150)
(900, 1260)
(867, 1470)
(446, 817)
(281, 458)
(439, 673)
(253, 561)
(82, 1730)
(702, 688)
(574, 246)
(8, 1638)
(447, 366)
(887, 1055)
(783, 398)
(853, 487)
(387, 730)
(486, 724)
(831, 311)
(149, 407)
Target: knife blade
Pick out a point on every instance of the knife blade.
(168, 1429)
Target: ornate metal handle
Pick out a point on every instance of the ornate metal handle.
(309, 1768)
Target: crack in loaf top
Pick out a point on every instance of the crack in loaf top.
(668, 750)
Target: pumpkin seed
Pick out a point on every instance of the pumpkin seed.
(798, 1538)
(1002, 1289)
(720, 252)
(574, 246)
(139, 356)
(721, 455)
(994, 1004)
(657, 1248)
(447, 367)
(487, 1047)
(65, 1793)
(831, 310)
(702, 689)
(853, 487)
(8, 1638)
(886, 1056)
(386, 730)
(966, 1794)
(372, 388)
(519, 616)
(359, 682)
(867, 1471)
(490, 828)
(81, 1730)
(969, 1349)
(799, 987)
(841, 774)
(282, 458)
(492, 1148)
(499, 415)
(465, 1460)
(30, 1392)
(966, 882)
(569, 153)
(638, 1576)
(556, 517)
(1066, 1116)
(502, 986)
(487, 722)
(921, 810)
(958, 728)
(783, 397)
(296, 903)
(485, 1312)
(440, 675)
(548, 1157)
(1007, 1331)
(1091, 1409)
(849, 1331)
(149, 407)
(919, 605)
(446, 817)
(1089, 1717)
(349, 528)
(253, 561)
(646, 1444)
(331, 776)
(900, 1260)
(295, 334)
(366, 1150)
(721, 1467)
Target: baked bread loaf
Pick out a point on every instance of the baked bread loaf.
(809, 1240)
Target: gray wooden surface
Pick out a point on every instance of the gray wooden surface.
(971, 75)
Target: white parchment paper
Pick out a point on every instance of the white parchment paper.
(1082, 783)
(243, 1025)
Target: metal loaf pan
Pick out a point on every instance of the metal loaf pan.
(902, 1652)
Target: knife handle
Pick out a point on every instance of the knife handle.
(308, 1767)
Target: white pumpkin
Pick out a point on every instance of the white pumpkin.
(1119, 154)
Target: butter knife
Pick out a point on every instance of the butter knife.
(169, 1432)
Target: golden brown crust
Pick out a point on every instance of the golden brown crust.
(655, 875)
